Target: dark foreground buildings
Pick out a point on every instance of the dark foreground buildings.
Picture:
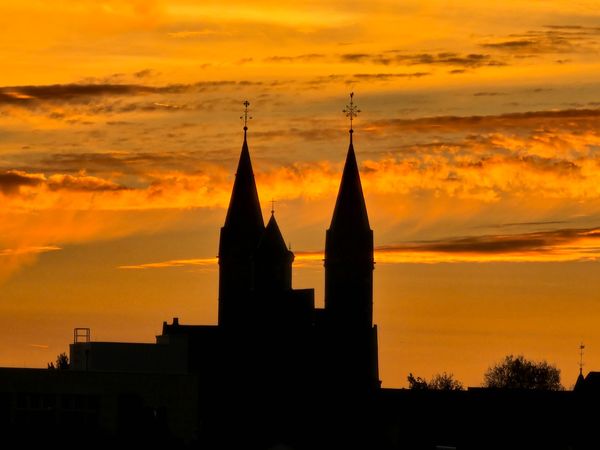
(276, 372)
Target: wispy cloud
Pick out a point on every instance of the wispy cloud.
(40, 346)
(297, 58)
(568, 244)
(396, 57)
(389, 76)
(204, 262)
(21, 251)
(32, 95)
(550, 39)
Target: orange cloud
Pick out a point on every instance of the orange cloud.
(547, 168)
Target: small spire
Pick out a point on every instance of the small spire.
(581, 348)
(272, 206)
(245, 116)
(351, 112)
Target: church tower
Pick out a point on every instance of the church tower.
(349, 268)
(239, 239)
(272, 261)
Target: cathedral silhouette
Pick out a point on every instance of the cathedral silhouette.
(256, 298)
(272, 346)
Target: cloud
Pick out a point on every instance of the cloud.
(204, 262)
(395, 57)
(81, 183)
(567, 244)
(12, 180)
(388, 76)
(551, 39)
(28, 250)
(539, 159)
(530, 120)
(13, 259)
(298, 58)
(542, 246)
(536, 242)
(33, 95)
(19, 95)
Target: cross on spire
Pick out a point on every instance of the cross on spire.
(351, 111)
(246, 117)
(272, 206)
(581, 347)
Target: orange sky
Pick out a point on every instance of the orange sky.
(478, 145)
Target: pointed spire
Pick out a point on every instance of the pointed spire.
(350, 208)
(244, 206)
(272, 261)
(272, 243)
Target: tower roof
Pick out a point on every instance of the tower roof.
(272, 243)
(244, 207)
(350, 209)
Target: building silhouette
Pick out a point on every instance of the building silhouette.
(257, 301)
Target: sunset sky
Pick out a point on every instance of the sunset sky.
(478, 145)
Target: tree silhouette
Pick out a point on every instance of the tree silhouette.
(445, 382)
(62, 361)
(439, 382)
(417, 383)
(520, 373)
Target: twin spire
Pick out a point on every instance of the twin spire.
(244, 207)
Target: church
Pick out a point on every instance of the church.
(336, 344)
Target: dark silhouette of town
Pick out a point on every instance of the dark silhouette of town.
(277, 372)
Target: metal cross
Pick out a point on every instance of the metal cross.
(272, 206)
(351, 110)
(246, 117)
(581, 347)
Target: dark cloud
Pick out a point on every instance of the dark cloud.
(297, 58)
(524, 224)
(488, 94)
(145, 73)
(82, 93)
(537, 242)
(119, 123)
(388, 76)
(471, 60)
(394, 57)
(12, 180)
(550, 39)
(530, 120)
(355, 57)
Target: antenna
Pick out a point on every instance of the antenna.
(581, 348)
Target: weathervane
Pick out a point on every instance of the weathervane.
(272, 206)
(246, 117)
(351, 111)
(581, 347)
